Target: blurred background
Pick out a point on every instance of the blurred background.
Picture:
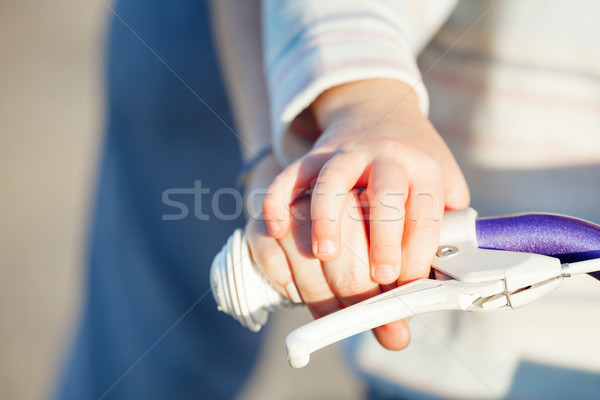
(51, 122)
(50, 126)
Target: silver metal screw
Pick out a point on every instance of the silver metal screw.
(446, 251)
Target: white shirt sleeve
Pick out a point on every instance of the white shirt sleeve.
(313, 45)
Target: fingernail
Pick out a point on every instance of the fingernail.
(274, 227)
(292, 292)
(385, 274)
(326, 248)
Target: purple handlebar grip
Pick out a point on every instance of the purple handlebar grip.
(566, 238)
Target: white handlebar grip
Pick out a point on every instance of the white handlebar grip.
(240, 288)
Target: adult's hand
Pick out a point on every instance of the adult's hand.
(328, 286)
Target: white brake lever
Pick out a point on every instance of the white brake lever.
(418, 297)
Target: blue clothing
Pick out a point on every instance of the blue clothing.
(146, 271)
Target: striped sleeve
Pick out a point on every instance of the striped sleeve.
(313, 45)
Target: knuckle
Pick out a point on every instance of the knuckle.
(384, 245)
(427, 164)
(384, 252)
(427, 225)
(386, 196)
(315, 292)
(392, 166)
(333, 170)
(350, 283)
(278, 275)
(339, 284)
(394, 148)
(393, 162)
(269, 260)
(324, 229)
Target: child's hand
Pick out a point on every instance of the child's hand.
(371, 139)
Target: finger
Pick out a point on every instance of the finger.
(267, 253)
(337, 177)
(289, 184)
(424, 209)
(348, 275)
(307, 270)
(393, 336)
(387, 193)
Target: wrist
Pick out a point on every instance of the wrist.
(372, 98)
